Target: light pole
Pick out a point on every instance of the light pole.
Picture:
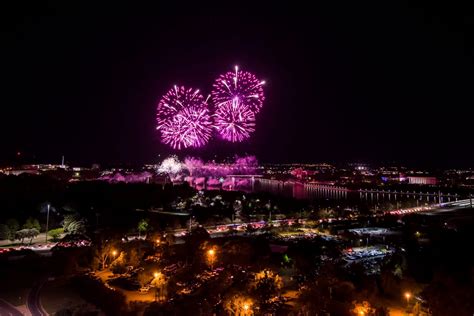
(114, 254)
(47, 223)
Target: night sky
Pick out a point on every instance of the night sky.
(365, 81)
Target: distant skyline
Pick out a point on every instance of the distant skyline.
(371, 82)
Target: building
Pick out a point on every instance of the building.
(422, 180)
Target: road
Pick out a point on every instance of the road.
(33, 302)
(6, 309)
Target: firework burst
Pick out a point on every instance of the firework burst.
(239, 84)
(234, 121)
(175, 100)
(170, 165)
(183, 118)
(190, 127)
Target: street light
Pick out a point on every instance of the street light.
(245, 308)
(407, 296)
(47, 223)
(211, 257)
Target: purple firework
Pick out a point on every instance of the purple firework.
(175, 100)
(239, 84)
(183, 118)
(190, 127)
(234, 121)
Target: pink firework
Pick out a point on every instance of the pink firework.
(234, 121)
(241, 85)
(189, 127)
(175, 100)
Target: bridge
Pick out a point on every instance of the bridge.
(313, 187)
(466, 203)
(306, 185)
(435, 196)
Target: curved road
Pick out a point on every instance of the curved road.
(33, 301)
(8, 310)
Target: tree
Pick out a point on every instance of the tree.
(27, 233)
(145, 276)
(266, 285)
(93, 290)
(56, 233)
(142, 226)
(238, 251)
(327, 294)
(13, 226)
(21, 235)
(363, 308)
(133, 258)
(446, 294)
(32, 233)
(239, 305)
(102, 252)
(73, 224)
(4, 232)
(197, 236)
(32, 223)
(118, 265)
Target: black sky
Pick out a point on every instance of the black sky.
(365, 81)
